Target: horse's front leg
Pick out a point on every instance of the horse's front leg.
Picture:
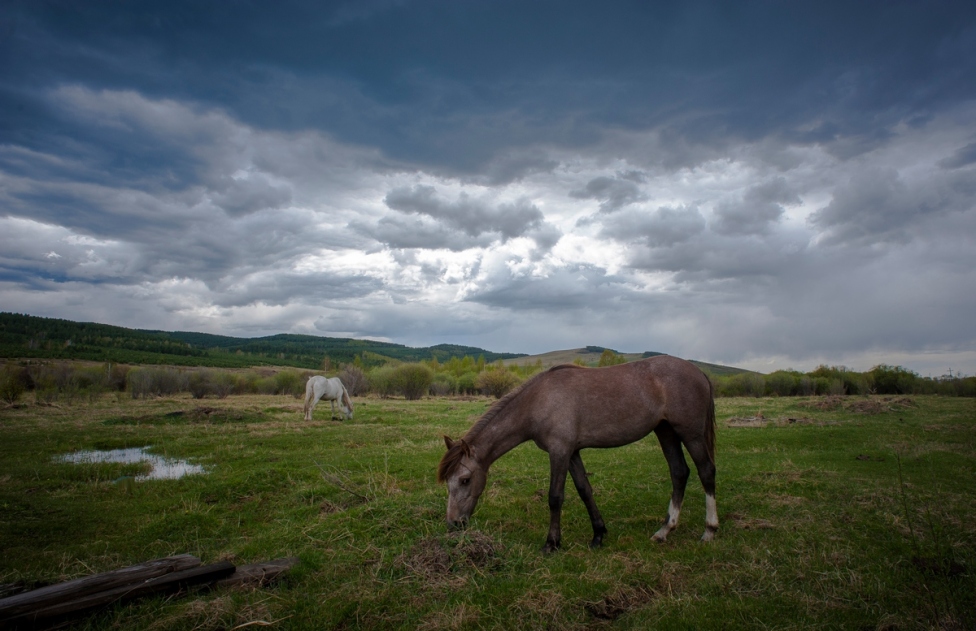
(558, 465)
(578, 471)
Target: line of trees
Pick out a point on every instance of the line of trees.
(66, 381)
(838, 380)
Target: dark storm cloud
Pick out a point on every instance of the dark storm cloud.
(878, 206)
(759, 208)
(430, 84)
(471, 216)
(964, 156)
(418, 232)
(612, 193)
(662, 228)
(281, 288)
(572, 288)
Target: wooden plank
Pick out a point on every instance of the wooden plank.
(259, 573)
(167, 582)
(81, 587)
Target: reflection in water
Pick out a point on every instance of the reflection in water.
(162, 468)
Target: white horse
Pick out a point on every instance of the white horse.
(331, 389)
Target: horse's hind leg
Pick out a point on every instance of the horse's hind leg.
(706, 473)
(671, 445)
(578, 471)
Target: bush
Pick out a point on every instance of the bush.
(198, 383)
(782, 383)
(157, 382)
(497, 382)
(444, 384)
(467, 383)
(609, 358)
(893, 380)
(381, 381)
(412, 380)
(290, 382)
(354, 379)
(13, 383)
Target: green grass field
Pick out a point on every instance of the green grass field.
(855, 514)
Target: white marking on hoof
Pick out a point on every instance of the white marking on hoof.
(709, 535)
(661, 535)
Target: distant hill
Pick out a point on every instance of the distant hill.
(24, 336)
(591, 355)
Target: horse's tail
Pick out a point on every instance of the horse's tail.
(710, 421)
(308, 396)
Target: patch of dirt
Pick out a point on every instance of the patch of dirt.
(746, 523)
(747, 421)
(328, 508)
(780, 421)
(435, 557)
(858, 405)
(624, 600)
(867, 458)
(938, 567)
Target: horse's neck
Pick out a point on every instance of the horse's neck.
(495, 438)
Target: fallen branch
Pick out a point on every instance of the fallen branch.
(259, 573)
(172, 581)
(51, 595)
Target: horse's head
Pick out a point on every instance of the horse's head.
(346, 404)
(465, 478)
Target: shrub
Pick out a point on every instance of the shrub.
(223, 383)
(354, 379)
(497, 382)
(381, 381)
(610, 358)
(782, 383)
(13, 383)
(893, 380)
(467, 383)
(444, 384)
(198, 383)
(154, 381)
(412, 380)
(289, 382)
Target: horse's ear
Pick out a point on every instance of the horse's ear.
(448, 441)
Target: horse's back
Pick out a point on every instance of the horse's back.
(617, 405)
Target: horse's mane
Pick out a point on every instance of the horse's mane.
(461, 448)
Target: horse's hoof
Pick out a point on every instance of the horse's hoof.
(709, 535)
(549, 548)
(596, 544)
(659, 536)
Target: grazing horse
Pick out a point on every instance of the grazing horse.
(331, 389)
(568, 408)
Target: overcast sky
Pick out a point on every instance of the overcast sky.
(760, 184)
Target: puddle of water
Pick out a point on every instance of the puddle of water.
(161, 468)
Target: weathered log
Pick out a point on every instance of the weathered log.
(78, 588)
(167, 582)
(259, 573)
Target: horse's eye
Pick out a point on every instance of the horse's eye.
(465, 481)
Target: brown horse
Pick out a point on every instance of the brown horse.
(568, 408)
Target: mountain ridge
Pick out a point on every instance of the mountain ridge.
(26, 336)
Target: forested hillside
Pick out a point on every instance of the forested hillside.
(31, 336)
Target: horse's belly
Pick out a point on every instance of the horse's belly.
(615, 434)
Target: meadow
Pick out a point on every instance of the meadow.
(836, 513)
